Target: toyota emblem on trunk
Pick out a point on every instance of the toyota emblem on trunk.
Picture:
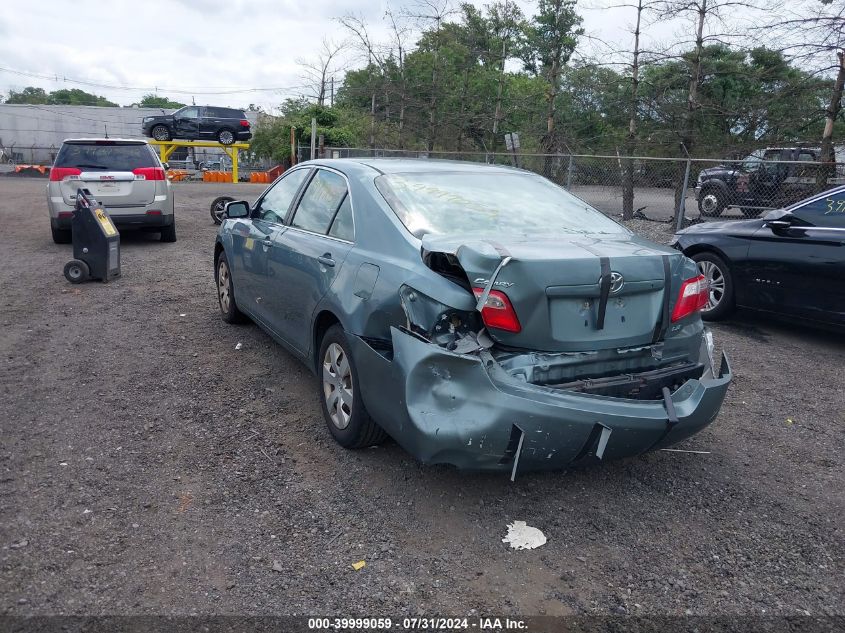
(616, 282)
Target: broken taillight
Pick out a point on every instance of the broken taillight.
(693, 297)
(498, 312)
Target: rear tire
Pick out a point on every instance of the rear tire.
(340, 394)
(61, 236)
(226, 137)
(718, 274)
(218, 205)
(160, 133)
(76, 271)
(168, 233)
(226, 291)
(711, 203)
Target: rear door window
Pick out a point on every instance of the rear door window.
(320, 202)
(106, 156)
(342, 226)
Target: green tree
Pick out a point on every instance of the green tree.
(29, 95)
(75, 96)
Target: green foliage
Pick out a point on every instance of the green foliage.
(72, 96)
(271, 137)
(154, 101)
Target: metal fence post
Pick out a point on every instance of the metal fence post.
(569, 172)
(682, 207)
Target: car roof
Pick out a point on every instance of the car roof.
(127, 141)
(415, 165)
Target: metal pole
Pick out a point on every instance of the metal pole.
(569, 173)
(292, 146)
(313, 138)
(682, 209)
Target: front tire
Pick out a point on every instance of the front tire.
(226, 292)
(226, 137)
(711, 203)
(720, 302)
(160, 133)
(340, 394)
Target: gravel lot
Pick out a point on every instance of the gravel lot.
(150, 467)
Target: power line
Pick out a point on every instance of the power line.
(229, 90)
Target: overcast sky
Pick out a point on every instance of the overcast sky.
(208, 47)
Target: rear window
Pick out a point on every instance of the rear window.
(105, 156)
(449, 203)
(224, 113)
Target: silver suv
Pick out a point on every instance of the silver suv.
(124, 175)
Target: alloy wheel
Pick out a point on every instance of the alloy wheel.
(160, 133)
(226, 137)
(223, 286)
(337, 385)
(716, 282)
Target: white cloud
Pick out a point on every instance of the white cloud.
(195, 45)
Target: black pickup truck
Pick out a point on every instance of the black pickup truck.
(759, 182)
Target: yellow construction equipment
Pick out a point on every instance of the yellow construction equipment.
(166, 148)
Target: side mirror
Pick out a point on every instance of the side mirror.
(236, 209)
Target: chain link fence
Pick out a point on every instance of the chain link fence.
(677, 190)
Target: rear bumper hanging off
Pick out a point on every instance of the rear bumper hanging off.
(465, 410)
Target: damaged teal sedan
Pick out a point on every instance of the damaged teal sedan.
(481, 316)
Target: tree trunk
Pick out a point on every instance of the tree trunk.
(628, 170)
(462, 117)
(498, 113)
(692, 103)
(828, 154)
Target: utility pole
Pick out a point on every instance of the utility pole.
(292, 146)
(313, 138)
(332, 97)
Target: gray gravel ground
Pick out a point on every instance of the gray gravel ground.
(147, 466)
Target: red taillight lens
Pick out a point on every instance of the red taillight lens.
(498, 312)
(244, 123)
(149, 173)
(58, 174)
(154, 212)
(64, 215)
(692, 298)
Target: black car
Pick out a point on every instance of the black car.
(790, 262)
(199, 123)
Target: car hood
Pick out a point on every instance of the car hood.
(555, 284)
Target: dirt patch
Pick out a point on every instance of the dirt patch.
(149, 466)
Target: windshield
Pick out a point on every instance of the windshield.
(448, 203)
(105, 155)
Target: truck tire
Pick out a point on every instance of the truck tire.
(340, 394)
(711, 202)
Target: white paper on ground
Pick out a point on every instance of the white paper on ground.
(522, 536)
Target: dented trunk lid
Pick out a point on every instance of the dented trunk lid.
(555, 284)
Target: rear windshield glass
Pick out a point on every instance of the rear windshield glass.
(102, 156)
(524, 204)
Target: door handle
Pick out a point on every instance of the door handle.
(326, 260)
(267, 242)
